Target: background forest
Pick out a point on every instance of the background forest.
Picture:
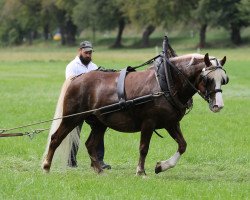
(26, 21)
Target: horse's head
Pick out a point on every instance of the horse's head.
(213, 76)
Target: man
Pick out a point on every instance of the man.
(83, 64)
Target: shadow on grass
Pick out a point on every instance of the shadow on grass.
(206, 173)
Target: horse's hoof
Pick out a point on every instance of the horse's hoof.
(158, 168)
(141, 173)
(97, 169)
(46, 168)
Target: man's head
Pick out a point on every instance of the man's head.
(85, 52)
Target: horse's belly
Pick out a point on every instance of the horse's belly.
(132, 120)
(121, 122)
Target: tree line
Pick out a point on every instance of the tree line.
(31, 19)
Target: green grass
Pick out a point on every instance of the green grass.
(215, 166)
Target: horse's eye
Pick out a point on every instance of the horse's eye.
(227, 80)
(204, 78)
(224, 81)
(210, 80)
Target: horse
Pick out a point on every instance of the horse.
(191, 73)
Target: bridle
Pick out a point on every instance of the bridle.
(205, 79)
(208, 93)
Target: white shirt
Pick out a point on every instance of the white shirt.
(75, 68)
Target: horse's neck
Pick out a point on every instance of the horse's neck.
(190, 66)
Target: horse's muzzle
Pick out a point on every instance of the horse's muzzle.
(216, 108)
(217, 103)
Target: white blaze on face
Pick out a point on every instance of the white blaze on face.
(219, 76)
(218, 96)
(219, 100)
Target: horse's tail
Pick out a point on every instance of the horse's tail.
(62, 154)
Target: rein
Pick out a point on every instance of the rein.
(213, 68)
(187, 81)
(170, 93)
(147, 63)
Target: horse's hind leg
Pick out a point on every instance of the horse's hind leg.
(146, 134)
(96, 135)
(176, 134)
(56, 140)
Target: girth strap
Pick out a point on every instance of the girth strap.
(121, 85)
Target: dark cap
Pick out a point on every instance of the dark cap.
(86, 45)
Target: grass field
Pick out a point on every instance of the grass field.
(215, 166)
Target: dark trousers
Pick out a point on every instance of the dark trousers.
(100, 150)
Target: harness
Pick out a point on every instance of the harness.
(123, 103)
(164, 79)
(167, 85)
(164, 76)
(121, 87)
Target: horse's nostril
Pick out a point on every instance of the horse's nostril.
(217, 108)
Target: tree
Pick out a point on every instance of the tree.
(244, 9)
(114, 18)
(10, 30)
(64, 13)
(100, 15)
(57, 14)
(20, 20)
(144, 14)
(235, 16)
(30, 17)
(48, 18)
(206, 13)
(154, 13)
(85, 16)
(230, 14)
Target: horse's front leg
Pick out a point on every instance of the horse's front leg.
(146, 133)
(176, 134)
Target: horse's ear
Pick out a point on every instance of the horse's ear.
(222, 62)
(206, 60)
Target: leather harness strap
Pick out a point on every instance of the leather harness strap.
(121, 86)
(169, 88)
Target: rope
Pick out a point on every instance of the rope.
(186, 79)
(45, 121)
(2, 131)
(30, 134)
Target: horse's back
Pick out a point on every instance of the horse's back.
(103, 85)
(89, 89)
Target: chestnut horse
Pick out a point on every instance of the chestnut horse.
(97, 89)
